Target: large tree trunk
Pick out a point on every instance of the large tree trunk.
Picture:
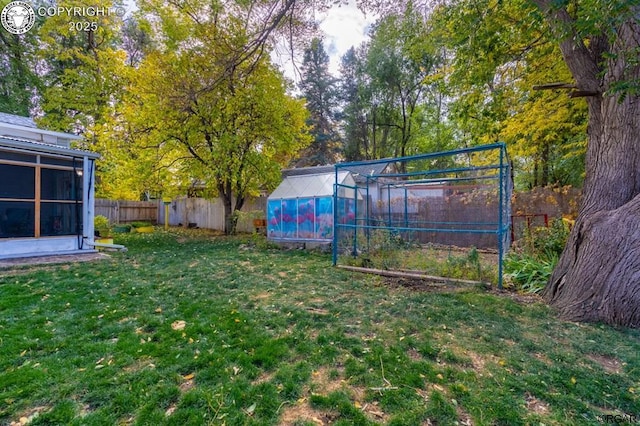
(598, 275)
(232, 204)
(229, 218)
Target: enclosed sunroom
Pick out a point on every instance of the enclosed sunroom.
(302, 206)
(46, 191)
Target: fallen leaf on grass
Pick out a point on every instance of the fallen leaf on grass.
(251, 409)
(170, 410)
(178, 325)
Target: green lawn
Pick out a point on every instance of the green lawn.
(190, 328)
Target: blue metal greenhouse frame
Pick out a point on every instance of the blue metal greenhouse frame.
(497, 171)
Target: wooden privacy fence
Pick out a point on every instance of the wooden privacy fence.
(199, 212)
(127, 211)
(208, 214)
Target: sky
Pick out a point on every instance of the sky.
(343, 27)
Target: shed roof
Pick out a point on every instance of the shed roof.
(12, 121)
(17, 120)
(358, 171)
(314, 185)
(315, 170)
(41, 147)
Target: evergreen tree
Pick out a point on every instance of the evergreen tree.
(354, 121)
(318, 87)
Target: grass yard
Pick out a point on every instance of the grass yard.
(188, 328)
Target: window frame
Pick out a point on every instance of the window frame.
(38, 201)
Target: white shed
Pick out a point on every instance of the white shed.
(46, 191)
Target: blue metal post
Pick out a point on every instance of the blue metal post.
(406, 208)
(368, 213)
(335, 219)
(355, 221)
(500, 218)
(389, 205)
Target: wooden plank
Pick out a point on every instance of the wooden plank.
(415, 275)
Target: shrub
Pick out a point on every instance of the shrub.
(102, 226)
(546, 242)
(122, 229)
(528, 273)
(530, 265)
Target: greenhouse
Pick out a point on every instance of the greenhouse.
(443, 214)
(301, 208)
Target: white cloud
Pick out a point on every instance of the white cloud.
(344, 27)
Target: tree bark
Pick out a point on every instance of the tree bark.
(597, 278)
(224, 189)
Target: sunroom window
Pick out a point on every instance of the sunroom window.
(39, 196)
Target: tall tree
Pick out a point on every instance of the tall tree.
(597, 277)
(386, 88)
(546, 133)
(318, 87)
(82, 68)
(207, 116)
(399, 60)
(136, 40)
(354, 105)
(19, 82)
(494, 64)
